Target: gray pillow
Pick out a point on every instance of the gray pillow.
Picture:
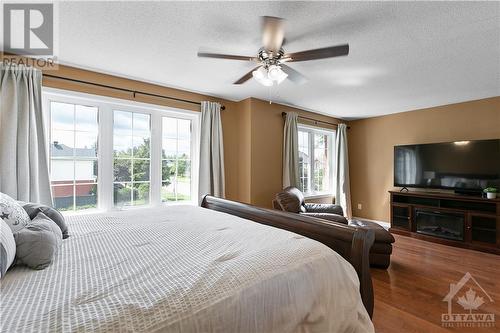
(33, 209)
(38, 243)
(7, 248)
(12, 213)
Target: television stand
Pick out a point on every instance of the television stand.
(461, 220)
(474, 193)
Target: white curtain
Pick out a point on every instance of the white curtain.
(342, 186)
(24, 172)
(211, 180)
(290, 151)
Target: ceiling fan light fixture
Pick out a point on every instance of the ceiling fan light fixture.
(260, 75)
(275, 73)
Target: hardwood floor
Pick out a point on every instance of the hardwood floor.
(409, 295)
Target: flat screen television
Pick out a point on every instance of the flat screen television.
(463, 166)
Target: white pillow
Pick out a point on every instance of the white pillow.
(13, 213)
(7, 248)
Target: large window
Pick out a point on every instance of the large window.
(73, 155)
(315, 160)
(143, 154)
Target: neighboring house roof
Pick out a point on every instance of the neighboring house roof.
(61, 150)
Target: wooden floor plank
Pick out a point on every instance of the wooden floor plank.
(409, 295)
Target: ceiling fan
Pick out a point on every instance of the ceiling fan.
(272, 57)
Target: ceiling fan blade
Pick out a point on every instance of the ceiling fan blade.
(245, 77)
(326, 52)
(293, 75)
(273, 32)
(225, 56)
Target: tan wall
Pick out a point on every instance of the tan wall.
(237, 151)
(371, 143)
(267, 149)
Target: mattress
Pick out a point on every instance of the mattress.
(184, 269)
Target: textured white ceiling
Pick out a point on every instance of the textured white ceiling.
(403, 55)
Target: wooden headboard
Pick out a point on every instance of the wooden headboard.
(351, 243)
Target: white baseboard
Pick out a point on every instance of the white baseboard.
(384, 224)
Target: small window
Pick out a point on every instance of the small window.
(315, 160)
(73, 155)
(176, 159)
(132, 158)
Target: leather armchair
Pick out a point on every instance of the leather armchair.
(292, 200)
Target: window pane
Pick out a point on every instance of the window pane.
(141, 194)
(304, 172)
(183, 185)
(62, 170)
(168, 171)
(169, 128)
(122, 123)
(183, 149)
(319, 141)
(85, 144)
(86, 118)
(122, 194)
(183, 169)
(123, 170)
(141, 170)
(183, 190)
(122, 146)
(141, 124)
(141, 147)
(86, 196)
(73, 152)
(132, 139)
(62, 116)
(167, 192)
(176, 166)
(63, 196)
(321, 168)
(315, 162)
(62, 143)
(184, 129)
(169, 148)
(304, 142)
(304, 161)
(86, 171)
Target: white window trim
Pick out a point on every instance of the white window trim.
(331, 137)
(106, 106)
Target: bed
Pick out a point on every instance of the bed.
(187, 269)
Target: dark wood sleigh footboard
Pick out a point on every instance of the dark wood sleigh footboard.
(353, 244)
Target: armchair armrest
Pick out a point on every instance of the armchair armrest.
(324, 208)
(327, 216)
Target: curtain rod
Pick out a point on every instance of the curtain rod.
(134, 92)
(315, 121)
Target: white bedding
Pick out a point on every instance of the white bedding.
(184, 269)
